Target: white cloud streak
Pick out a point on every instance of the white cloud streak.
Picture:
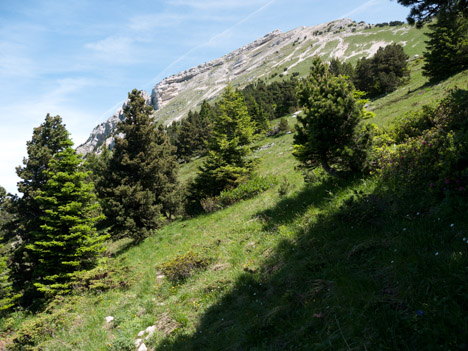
(360, 8)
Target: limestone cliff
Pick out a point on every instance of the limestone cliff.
(273, 56)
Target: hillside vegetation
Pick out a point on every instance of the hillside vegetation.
(322, 263)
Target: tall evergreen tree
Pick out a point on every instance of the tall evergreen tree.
(226, 164)
(7, 296)
(447, 46)
(326, 130)
(67, 241)
(141, 176)
(47, 140)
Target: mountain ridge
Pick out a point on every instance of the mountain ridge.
(275, 52)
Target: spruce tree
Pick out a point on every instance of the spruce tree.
(46, 142)
(384, 72)
(326, 129)
(138, 186)
(227, 164)
(67, 242)
(7, 296)
(447, 46)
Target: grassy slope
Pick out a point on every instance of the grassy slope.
(292, 272)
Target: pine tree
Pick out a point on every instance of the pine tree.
(423, 11)
(67, 241)
(204, 126)
(7, 296)
(226, 164)
(331, 114)
(47, 140)
(447, 46)
(138, 186)
(384, 72)
(258, 115)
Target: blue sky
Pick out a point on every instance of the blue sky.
(79, 58)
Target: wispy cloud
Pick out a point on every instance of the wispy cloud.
(148, 22)
(216, 5)
(361, 8)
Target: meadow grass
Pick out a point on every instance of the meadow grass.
(334, 264)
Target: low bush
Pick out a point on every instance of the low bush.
(182, 266)
(428, 148)
(122, 343)
(244, 191)
(247, 190)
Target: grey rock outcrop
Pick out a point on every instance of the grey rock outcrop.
(104, 133)
(277, 52)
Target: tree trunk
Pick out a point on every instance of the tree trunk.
(329, 170)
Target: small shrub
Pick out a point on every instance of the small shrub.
(182, 266)
(210, 204)
(428, 149)
(122, 343)
(43, 326)
(284, 188)
(280, 129)
(247, 190)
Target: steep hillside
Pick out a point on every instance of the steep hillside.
(271, 57)
(332, 264)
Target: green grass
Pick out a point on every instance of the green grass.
(305, 270)
(413, 95)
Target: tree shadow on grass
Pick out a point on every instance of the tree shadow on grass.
(275, 308)
(289, 208)
(333, 287)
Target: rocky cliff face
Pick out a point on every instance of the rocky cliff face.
(275, 54)
(103, 133)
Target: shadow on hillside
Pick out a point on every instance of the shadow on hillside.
(332, 287)
(277, 307)
(289, 208)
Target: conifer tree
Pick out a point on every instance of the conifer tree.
(258, 115)
(447, 46)
(138, 185)
(7, 296)
(227, 164)
(423, 11)
(47, 140)
(325, 133)
(67, 241)
(384, 72)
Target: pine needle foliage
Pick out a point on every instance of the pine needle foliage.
(47, 140)
(326, 130)
(67, 242)
(227, 164)
(447, 46)
(139, 187)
